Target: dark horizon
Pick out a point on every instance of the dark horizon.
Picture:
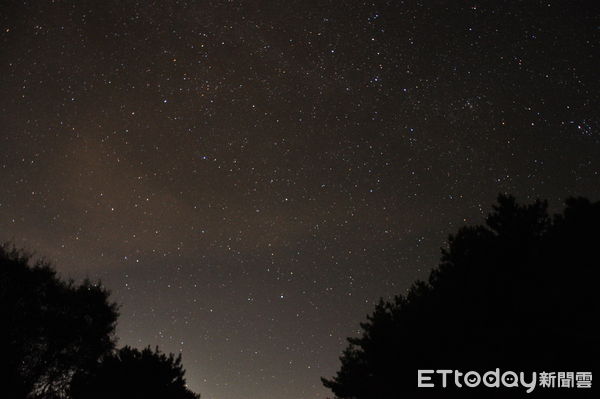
(248, 179)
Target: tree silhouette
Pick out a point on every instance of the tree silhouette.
(129, 373)
(51, 328)
(57, 341)
(519, 293)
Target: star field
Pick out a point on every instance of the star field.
(249, 178)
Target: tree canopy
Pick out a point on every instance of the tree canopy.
(51, 328)
(57, 341)
(518, 292)
(131, 373)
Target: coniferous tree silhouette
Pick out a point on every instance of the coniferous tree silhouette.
(51, 328)
(519, 293)
(130, 373)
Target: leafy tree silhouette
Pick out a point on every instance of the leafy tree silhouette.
(51, 328)
(130, 373)
(519, 293)
(57, 341)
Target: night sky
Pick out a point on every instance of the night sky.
(248, 178)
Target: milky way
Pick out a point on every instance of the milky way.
(249, 178)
